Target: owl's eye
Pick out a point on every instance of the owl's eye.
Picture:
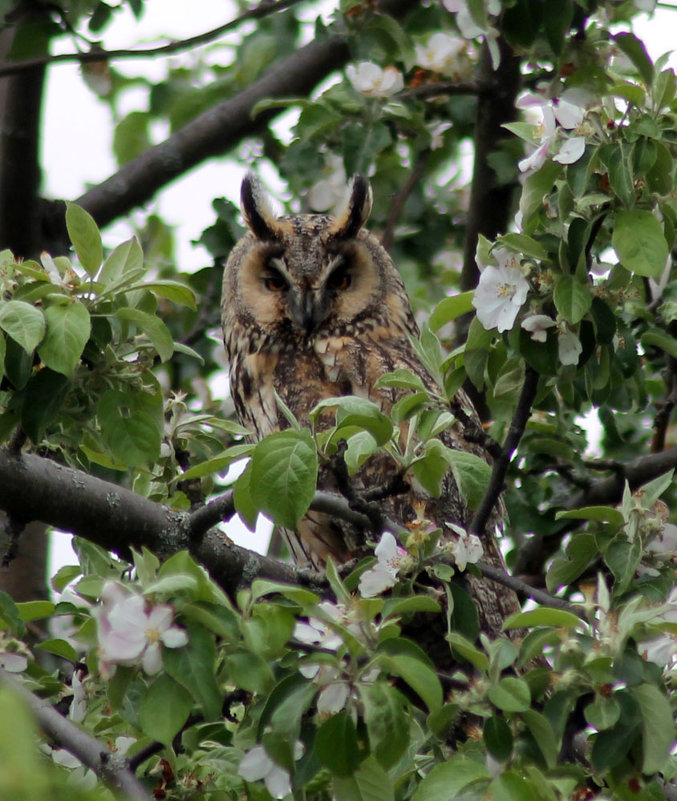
(340, 279)
(274, 282)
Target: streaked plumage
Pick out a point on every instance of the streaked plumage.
(312, 308)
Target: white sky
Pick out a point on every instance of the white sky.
(77, 143)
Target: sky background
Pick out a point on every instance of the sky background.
(77, 144)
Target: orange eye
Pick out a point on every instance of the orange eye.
(275, 283)
(340, 280)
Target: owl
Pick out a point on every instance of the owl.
(313, 308)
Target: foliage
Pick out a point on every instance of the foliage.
(322, 690)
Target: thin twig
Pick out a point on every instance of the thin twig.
(498, 473)
(526, 590)
(437, 88)
(262, 10)
(112, 769)
(400, 198)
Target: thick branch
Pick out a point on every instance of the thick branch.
(636, 473)
(215, 131)
(112, 769)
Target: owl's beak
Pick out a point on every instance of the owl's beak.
(307, 313)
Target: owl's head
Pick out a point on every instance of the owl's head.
(307, 274)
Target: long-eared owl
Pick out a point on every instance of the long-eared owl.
(313, 308)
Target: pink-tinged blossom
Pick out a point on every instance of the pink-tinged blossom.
(371, 80)
(567, 112)
(129, 632)
(569, 347)
(537, 325)
(383, 575)
(501, 292)
(256, 765)
(466, 549)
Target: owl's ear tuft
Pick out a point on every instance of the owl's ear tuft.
(356, 209)
(257, 208)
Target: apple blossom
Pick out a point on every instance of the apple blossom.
(440, 53)
(569, 347)
(328, 191)
(566, 111)
(537, 325)
(471, 30)
(467, 548)
(374, 81)
(384, 573)
(256, 765)
(127, 632)
(501, 292)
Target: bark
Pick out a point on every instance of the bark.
(20, 107)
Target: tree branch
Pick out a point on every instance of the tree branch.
(609, 491)
(112, 769)
(213, 132)
(519, 421)
(262, 10)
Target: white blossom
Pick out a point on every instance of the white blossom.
(466, 549)
(328, 191)
(569, 347)
(384, 573)
(440, 53)
(256, 765)
(471, 30)
(374, 81)
(437, 134)
(78, 707)
(663, 649)
(501, 292)
(13, 662)
(566, 111)
(128, 632)
(537, 325)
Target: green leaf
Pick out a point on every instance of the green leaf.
(164, 709)
(659, 339)
(422, 679)
(354, 411)
(603, 712)
(634, 49)
(45, 395)
(572, 298)
(446, 780)
(284, 475)
(450, 308)
(472, 475)
(126, 256)
(68, 329)
(498, 738)
(386, 722)
(401, 378)
(431, 467)
(657, 726)
(468, 651)
(369, 783)
(604, 514)
(193, 666)
(544, 616)
(526, 245)
(85, 236)
(639, 242)
(510, 695)
(24, 773)
(336, 745)
(60, 648)
(23, 322)
(398, 607)
(129, 427)
(249, 671)
(172, 290)
(543, 735)
(35, 610)
(153, 327)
